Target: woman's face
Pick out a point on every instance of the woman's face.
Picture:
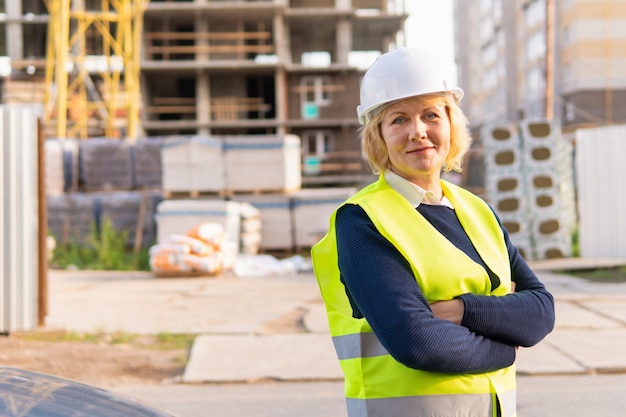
(417, 136)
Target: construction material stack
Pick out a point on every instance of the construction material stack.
(262, 171)
(504, 182)
(529, 183)
(192, 165)
(550, 186)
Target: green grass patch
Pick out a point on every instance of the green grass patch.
(105, 249)
(174, 340)
(616, 274)
(160, 341)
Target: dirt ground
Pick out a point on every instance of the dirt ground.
(110, 365)
(101, 364)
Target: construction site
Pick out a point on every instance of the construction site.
(162, 115)
(133, 68)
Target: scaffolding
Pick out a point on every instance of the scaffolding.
(92, 68)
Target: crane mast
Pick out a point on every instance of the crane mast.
(92, 67)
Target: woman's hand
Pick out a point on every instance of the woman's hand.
(451, 310)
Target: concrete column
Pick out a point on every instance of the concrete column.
(202, 26)
(343, 4)
(203, 82)
(203, 102)
(282, 45)
(344, 41)
(281, 100)
(282, 41)
(15, 47)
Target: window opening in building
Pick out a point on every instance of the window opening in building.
(315, 92)
(316, 145)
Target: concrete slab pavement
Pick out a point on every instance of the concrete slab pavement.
(138, 302)
(247, 358)
(590, 330)
(274, 327)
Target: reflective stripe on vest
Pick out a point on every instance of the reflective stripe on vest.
(358, 345)
(376, 384)
(433, 405)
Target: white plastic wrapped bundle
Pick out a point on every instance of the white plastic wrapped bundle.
(203, 250)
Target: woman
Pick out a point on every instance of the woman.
(427, 299)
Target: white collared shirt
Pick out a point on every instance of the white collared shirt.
(414, 194)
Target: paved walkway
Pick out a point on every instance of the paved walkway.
(274, 326)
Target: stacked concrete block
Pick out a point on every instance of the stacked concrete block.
(180, 216)
(250, 229)
(312, 208)
(131, 212)
(105, 164)
(241, 221)
(256, 170)
(505, 184)
(549, 183)
(276, 219)
(61, 165)
(55, 173)
(262, 163)
(146, 156)
(192, 165)
(226, 165)
(71, 218)
(502, 148)
(71, 152)
(533, 195)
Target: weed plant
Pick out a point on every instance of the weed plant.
(105, 249)
(160, 341)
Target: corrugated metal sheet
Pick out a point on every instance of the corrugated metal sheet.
(18, 217)
(600, 173)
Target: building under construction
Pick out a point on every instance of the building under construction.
(217, 68)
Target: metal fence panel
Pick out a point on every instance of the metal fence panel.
(600, 173)
(18, 217)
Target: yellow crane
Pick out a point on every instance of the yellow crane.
(92, 67)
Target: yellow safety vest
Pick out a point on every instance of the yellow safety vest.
(377, 385)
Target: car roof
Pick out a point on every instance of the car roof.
(27, 393)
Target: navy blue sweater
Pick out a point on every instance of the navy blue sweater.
(381, 287)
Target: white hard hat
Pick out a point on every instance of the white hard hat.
(401, 73)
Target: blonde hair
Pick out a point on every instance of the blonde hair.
(460, 139)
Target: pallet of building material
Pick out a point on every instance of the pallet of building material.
(195, 194)
(54, 167)
(517, 225)
(130, 212)
(71, 218)
(262, 163)
(180, 216)
(61, 165)
(105, 164)
(312, 208)
(71, 152)
(28, 91)
(250, 229)
(500, 136)
(536, 133)
(203, 251)
(553, 248)
(276, 220)
(146, 158)
(510, 203)
(192, 166)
